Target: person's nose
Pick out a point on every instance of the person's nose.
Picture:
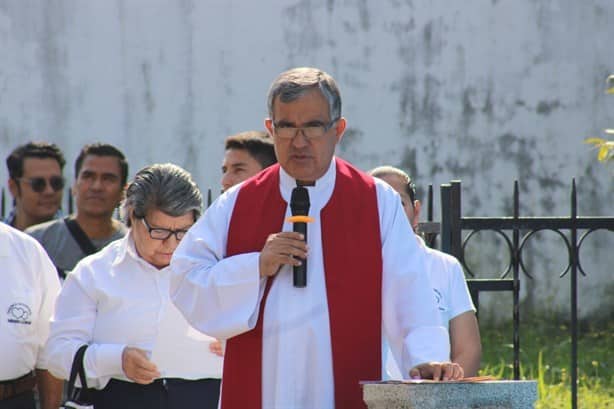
(171, 243)
(97, 184)
(48, 190)
(227, 181)
(300, 139)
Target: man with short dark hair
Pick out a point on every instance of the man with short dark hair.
(101, 172)
(291, 345)
(35, 182)
(246, 154)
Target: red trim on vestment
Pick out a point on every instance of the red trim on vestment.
(352, 248)
(259, 211)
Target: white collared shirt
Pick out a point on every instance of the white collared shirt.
(111, 300)
(220, 295)
(28, 289)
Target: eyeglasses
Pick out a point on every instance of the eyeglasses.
(39, 184)
(310, 132)
(158, 233)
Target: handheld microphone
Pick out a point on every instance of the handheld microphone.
(299, 205)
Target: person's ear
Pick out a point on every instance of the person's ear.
(268, 123)
(417, 207)
(14, 188)
(131, 219)
(340, 128)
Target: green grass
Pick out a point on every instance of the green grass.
(545, 349)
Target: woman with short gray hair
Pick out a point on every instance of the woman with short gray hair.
(140, 349)
(166, 187)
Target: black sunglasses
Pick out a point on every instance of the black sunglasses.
(39, 184)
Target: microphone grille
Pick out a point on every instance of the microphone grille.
(299, 201)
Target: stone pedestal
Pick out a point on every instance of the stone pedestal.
(450, 395)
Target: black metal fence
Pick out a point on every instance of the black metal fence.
(515, 231)
(450, 232)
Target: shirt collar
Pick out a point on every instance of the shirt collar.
(319, 193)
(126, 247)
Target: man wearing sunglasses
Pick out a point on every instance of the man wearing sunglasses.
(101, 172)
(35, 182)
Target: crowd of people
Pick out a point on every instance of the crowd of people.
(176, 310)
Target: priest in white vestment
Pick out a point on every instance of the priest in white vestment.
(301, 338)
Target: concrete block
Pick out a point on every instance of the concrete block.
(450, 395)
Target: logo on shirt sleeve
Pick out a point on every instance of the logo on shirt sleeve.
(19, 313)
(439, 300)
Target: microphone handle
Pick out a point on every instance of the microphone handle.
(300, 272)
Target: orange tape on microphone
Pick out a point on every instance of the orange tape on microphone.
(300, 219)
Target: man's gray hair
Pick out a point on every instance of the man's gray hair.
(294, 83)
(164, 187)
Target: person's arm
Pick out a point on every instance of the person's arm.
(217, 295)
(466, 348)
(73, 325)
(49, 389)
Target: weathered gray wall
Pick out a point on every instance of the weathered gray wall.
(483, 91)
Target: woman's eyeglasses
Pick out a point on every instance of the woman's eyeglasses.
(158, 233)
(40, 184)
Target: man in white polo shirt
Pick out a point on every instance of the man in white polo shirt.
(446, 275)
(27, 297)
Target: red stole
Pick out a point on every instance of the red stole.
(353, 270)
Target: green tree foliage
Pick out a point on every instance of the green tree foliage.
(604, 146)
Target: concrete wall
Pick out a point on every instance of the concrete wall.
(483, 91)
